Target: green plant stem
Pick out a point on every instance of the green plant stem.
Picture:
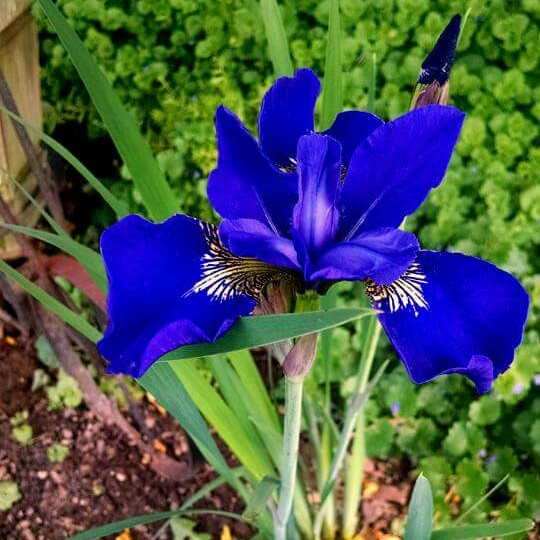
(289, 464)
(355, 465)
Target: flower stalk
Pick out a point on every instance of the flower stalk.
(289, 464)
(296, 366)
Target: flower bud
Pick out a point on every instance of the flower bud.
(278, 298)
(433, 82)
(301, 357)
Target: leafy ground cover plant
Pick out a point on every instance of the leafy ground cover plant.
(299, 357)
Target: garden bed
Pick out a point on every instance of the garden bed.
(105, 479)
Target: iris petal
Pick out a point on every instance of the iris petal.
(382, 255)
(315, 216)
(150, 268)
(472, 325)
(245, 184)
(393, 170)
(350, 128)
(251, 238)
(287, 113)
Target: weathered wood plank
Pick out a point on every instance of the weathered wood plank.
(10, 10)
(19, 62)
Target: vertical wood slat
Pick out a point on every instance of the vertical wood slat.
(19, 61)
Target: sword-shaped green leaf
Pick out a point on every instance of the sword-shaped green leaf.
(278, 47)
(75, 320)
(250, 332)
(484, 530)
(119, 207)
(147, 176)
(420, 515)
(332, 98)
(90, 259)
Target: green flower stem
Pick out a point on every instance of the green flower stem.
(289, 464)
(355, 465)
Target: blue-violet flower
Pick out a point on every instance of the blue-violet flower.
(313, 209)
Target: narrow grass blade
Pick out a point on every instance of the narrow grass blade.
(487, 530)
(161, 381)
(278, 47)
(209, 487)
(250, 332)
(147, 176)
(262, 493)
(463, 24)
(332, 98)
(356, 404)
(55, 226)
(420, 512)
(91, 260)
(75, 320)
(482, 499)
(249, 452)
(119, 207)
(370, 335)
(119, 526)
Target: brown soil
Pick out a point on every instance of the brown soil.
(104, 479)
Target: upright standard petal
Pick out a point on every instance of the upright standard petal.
(382, 255)
(244, 184)
(152, 269)
(350, 128)
(251, 238)
(315, 216)
(393, 170)
(287, 113)
(454, 314)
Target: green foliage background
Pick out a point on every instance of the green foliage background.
(174, 61)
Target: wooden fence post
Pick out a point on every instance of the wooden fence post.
(19, 62)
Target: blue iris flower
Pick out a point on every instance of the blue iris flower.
(313, 209)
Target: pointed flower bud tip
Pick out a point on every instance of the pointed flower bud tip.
(438, 63)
